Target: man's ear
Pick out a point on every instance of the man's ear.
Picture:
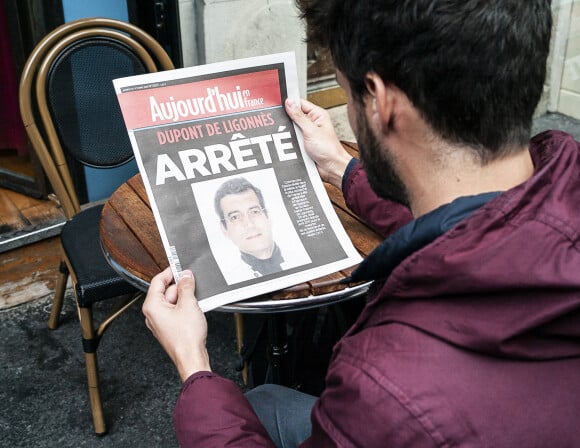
(223, 227)
(383, 102)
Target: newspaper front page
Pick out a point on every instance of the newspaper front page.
(235, 197)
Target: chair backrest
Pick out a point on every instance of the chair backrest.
(67, 100)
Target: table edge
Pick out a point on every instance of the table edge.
(250, 306)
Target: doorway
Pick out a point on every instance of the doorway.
(323, 88)
(22, 24)
(25, 216)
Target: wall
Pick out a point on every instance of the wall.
(569, 95)
(191, 21)
(101, 183)
(218, 30)
(564, 63)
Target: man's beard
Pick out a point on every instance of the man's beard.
(379, 164)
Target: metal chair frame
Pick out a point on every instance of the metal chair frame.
(52, 158)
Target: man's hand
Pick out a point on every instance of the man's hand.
(320, 140)
(173, 315)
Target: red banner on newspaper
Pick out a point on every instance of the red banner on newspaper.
(201, 99)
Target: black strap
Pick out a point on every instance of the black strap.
(91, 345)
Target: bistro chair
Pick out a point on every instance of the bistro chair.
(71, 113)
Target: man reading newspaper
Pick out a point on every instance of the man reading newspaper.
(471, 333)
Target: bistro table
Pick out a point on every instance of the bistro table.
(133, 247)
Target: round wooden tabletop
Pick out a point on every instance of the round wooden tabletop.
(131, 243)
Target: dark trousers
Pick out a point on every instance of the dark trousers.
(284, 412)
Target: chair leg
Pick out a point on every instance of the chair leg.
(58, 299)
(90, 344)
(239, 322)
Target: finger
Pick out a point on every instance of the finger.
(171, 294)
(314, 117)
(307, 106)
(157, 289)
(297, 115)
(316, 114)
(293, 109)
(160, 282)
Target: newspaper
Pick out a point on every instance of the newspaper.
(236, 198)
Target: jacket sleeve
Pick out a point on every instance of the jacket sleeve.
(212, 411)
(384, 216)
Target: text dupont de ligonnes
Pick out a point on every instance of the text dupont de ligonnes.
(239, 153)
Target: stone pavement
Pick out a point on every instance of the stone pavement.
(43, 392)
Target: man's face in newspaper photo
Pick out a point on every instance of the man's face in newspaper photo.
(246, 223)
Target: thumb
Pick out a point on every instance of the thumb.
(186, 286)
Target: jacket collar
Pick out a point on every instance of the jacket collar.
(415, 235)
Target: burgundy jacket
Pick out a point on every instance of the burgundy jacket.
(472, 340)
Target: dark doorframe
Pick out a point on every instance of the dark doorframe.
(159, 18)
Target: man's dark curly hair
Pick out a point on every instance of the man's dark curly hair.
(474, 69)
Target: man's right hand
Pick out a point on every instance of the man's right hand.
(320, 140)
(173, 315)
